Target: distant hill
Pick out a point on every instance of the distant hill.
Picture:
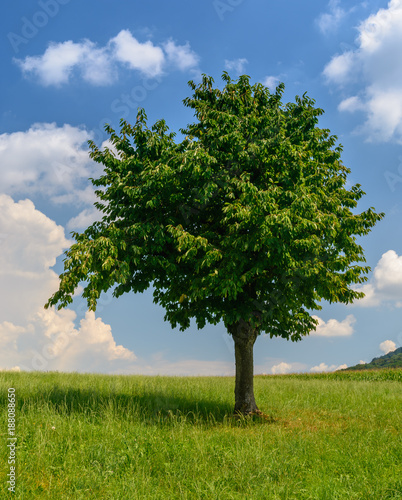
(391, 360)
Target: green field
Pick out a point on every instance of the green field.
(330, 436)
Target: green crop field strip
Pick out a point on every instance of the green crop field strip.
(330, 436)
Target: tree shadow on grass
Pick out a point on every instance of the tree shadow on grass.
(150, 406)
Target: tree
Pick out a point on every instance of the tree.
(246, 220)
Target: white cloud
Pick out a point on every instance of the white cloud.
(29, 249)
(329, 21)
(339, 69)
(334, 328)
(386, 283)
(384, 109)
(371, 297)
(387, 346)
(96, 66)
(181, 55)
(85, 196)
(48, 160)
(84, 219)
(281, 368)
(351, 104)
(145, 57)
(108, 144)
(56, 65)
(271, 82)
(90, 346)
(236, 65)
(376, 64)
(99, 65)
(388, 273)
(322, 367)
(52, 342)
(30, 336)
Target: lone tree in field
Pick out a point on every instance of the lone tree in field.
(246, 221)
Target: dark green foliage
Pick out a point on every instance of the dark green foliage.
(390, 360)
(246, 220)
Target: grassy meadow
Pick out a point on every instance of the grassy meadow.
(323, 436)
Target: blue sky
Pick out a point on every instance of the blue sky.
(68, 68)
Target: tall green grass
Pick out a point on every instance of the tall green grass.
(328, 436)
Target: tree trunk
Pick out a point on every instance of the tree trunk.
(244, 337)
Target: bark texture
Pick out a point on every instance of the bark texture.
(244, 337)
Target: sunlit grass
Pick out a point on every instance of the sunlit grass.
(329, 436)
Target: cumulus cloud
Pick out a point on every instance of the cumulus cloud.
(181, 56)
(52, 342)
(51, 162)
(371, 297)
(334, 328)
(387, 346)
(377, 64)
(30, 336)
(388, 273)
(330, 21)
(236, 65)
(271, 82)
(281, 368)
(29, 249)
(339, 69)
(100, 65)
(351, 104)
(84, 219)
(386, 283)
(322, 367)
(48, 160)
(144, 57)
(56, 65)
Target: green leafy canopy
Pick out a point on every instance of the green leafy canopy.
(246, 219)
